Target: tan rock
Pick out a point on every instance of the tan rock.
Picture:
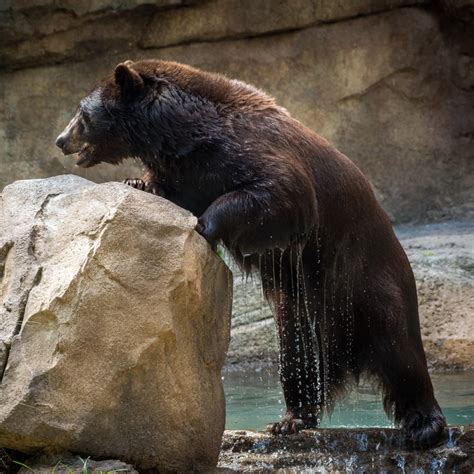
(43, 31)
(119, 330)
(254, 339)
(218, 19)
(36, 32)
(442, 257)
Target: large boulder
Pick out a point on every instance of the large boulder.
(114, 325)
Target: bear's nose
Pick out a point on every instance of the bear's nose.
(60, 141)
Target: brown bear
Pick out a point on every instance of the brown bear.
(287, 204)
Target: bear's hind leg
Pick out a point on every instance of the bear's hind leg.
(409, 395)
(399, 361)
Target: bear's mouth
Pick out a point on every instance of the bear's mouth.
(85, 158)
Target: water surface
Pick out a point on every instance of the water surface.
(255, 399)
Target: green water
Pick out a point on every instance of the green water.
(255, 399)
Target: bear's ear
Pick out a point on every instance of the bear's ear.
(128, 79)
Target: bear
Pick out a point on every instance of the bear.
(286, 204)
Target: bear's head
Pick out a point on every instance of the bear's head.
(154, 109)
(96, 132)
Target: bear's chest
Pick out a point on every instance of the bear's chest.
(193, 185)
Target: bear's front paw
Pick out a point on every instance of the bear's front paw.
(141, 185)
(208, 231)
(135, 183)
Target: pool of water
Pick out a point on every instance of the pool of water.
(255, 399)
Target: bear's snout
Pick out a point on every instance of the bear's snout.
(64, 142)
(60, 141)
(70, 139)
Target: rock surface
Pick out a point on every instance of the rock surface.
(344, 450)
(442, 257)
(389, 82)
(114, 325)
(69, 464)
(37, 32)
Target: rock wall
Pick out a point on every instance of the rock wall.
(390, 82)
(114, 324)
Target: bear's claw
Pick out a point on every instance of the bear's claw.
(292, 424)
(142, 185)
(286, 427)
(135, 183)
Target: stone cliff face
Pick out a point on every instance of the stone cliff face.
(390, 82)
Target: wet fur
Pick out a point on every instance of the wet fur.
(289, 205)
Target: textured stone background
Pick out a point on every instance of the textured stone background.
(389, 82)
